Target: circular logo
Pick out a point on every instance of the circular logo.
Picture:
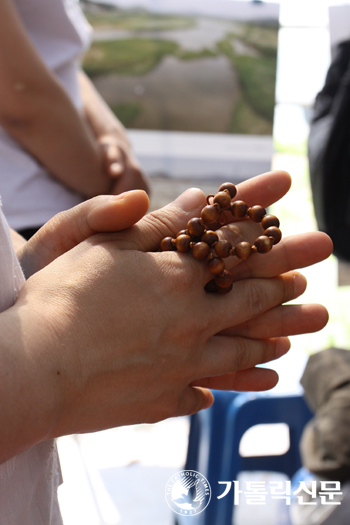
(188, 492)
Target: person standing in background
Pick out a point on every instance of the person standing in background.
(59, 141)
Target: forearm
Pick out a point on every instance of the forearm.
(29, 384)
(100, 117)
(36, 111)
(58, 137)
(120, 161)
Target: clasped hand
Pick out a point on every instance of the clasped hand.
(120, 164)
(128, 334)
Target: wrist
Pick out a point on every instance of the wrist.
(30, 388)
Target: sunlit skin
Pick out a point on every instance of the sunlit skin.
(114, 332)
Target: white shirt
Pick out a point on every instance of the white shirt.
(28, 481)
(60, 33)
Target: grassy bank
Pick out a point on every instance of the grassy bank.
(251, 50)
(134, 56)
(137, 20)
(127, 112)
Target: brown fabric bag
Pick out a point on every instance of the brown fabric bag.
(325, 443)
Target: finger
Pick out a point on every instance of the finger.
(193, 400)
(132, 178)
(283, 321)
(113, 158)
(224, 355)
(115, 169)
(118, 212)
(69, 228)
(249, 299)
(264, 189)
(251, 380)
(164, 222)
(298, 251)
(168, 221)
(236, 232)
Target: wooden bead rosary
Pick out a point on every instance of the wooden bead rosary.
(204, 242)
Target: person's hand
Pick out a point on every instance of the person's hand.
(293, 252)
(121, 165)
(127, 336)
(69, 228)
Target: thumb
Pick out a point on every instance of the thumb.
(167, 221)
(195, 399)
(104, 213)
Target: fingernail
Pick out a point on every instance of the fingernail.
(124, 195)
(190, 200)
(120, 196)
(282, 346)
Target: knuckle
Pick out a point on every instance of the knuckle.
(242, 231)
(231, 233)
(256, 297)
(158, 225)
(241, 355)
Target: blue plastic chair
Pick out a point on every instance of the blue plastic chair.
(204, 452)
(244, 412)
(215, 435)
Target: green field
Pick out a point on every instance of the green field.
(255, 69)
(137, 20)
(127, 112)
(257, 79)
(134, 56)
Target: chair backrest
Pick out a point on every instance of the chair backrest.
(246, 411)
(215, 435)
(249, 410)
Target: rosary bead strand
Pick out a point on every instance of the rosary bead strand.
(205, 244)
(256, 213)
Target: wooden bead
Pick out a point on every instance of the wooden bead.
(205, 244)
(200, 251)
(223, 198)
(274, 232)
(256, 213)
(231, 188)
(166, 244)
(195, 227)
(222, 291)
(222, 220)
(270, 220)
(263, 244)
(210, 213)
(182, 243)
(223, 248)
(224, 279)
(216, 265)
(239, 209)
(211, 287)
(210, 237)
(243, 250)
